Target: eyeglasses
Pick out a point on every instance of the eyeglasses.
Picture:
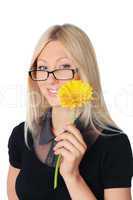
(59, 74)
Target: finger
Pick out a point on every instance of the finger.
(67, 145)
(72, 139)
(65, 154)
(72, 129)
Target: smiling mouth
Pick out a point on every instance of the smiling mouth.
(52, 92)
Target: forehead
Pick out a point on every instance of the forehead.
(54, 51)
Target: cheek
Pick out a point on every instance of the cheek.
(42, 87)
(62, 82)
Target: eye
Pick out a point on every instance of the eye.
(42, 67)
(66, 65)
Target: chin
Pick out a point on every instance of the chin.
(54, 103)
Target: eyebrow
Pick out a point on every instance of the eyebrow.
(41, 59)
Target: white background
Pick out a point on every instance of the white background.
(109, 26)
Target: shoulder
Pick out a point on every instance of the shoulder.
(116, 160)
(20, 126)
(16, 145)
(18, 129)
(117, 157)
(114, 141)
(17, 134)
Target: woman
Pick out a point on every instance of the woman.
(96, 154)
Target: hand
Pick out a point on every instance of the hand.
(71, 146)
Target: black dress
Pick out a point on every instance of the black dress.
(107, 163)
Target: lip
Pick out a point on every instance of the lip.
(53, 88)
(51, 94)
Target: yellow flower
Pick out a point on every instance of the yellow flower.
(75, 93)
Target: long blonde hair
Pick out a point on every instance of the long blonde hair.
(77, 43)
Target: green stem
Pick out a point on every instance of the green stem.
(59, 160)
(56, 171)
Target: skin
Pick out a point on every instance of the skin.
(70, 143)
(11, 179)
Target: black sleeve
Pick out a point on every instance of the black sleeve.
(117, 165)
(15, 146)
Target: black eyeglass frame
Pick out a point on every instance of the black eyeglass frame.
(52, 72)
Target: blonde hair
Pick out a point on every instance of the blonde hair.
(76, 42)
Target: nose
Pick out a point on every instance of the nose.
(51, 78)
